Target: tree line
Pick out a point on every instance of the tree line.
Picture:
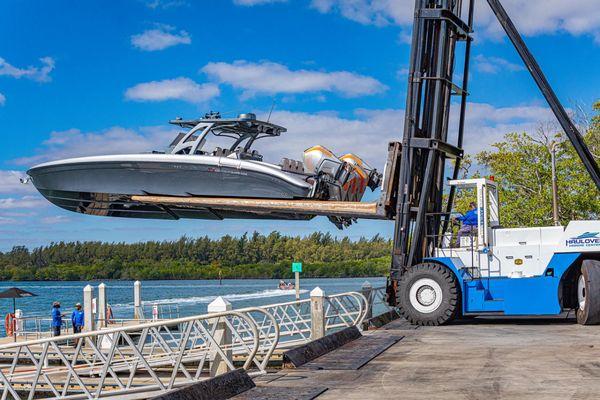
(248, 256)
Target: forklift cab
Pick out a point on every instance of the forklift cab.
(486, 193)
(475, 249)
(494, 251)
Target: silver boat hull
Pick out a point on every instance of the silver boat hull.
(103, 185)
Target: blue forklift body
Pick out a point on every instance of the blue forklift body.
(536, 295)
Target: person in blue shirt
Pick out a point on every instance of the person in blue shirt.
(469, 223)
(56, 318)
(77, 318)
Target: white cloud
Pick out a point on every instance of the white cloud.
(56, 219)
(493, 65)
(271, 78)
(7, 221)
(10, 182)
(39, 74)
(160, 38)
(115, 140)
(533, 17)
(173, 89)
(12, 203)
(402, 73)
(256, 2)
(367, 132)
(2, 99)
(369, 12)
(486, 124)
(165, 4)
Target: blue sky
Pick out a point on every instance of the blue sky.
(82, 78)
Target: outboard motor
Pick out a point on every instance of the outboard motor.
(319, 159)
(373, 178)
(343, 179)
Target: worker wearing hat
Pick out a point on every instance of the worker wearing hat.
(77, 318)
(56, 318)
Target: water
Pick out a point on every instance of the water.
(190, 296)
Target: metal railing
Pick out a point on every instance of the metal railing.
(37, 327)
(294, 318)
(164, 354)
(378, 301)
(150, 356)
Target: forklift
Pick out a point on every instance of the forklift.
(497, 271)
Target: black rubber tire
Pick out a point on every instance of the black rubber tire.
(590, 314)
(450, 304)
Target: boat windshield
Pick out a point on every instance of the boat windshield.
(240, 133)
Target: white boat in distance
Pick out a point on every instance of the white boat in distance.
(104, 185)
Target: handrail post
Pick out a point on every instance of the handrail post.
(102, 305)
(222, 336)
(317, 313)
(367, 291)
(137, 300)
(88, 309)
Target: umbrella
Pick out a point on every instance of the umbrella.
(15, 293)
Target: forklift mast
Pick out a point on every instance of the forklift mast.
(421, 212)
(425, 146)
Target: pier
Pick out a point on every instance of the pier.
(349, 345)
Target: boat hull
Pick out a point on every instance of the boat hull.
(104, 185)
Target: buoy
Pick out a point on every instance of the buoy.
(9, 324)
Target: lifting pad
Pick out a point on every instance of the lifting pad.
(265, 206)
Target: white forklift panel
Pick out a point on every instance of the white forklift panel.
(514, 252)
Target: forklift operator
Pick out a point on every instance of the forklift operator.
(469, 223)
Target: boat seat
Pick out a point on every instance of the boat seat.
(292, 166)
(250, 155)
(219, 152)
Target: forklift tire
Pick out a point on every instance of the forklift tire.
(428, 294)
(588, 293)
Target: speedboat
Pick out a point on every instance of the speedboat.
(286, 285)
(104, 185)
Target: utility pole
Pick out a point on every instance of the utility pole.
(554, 184)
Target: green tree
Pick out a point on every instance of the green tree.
(521, 165)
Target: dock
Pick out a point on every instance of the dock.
(470, 359)
(349, 354)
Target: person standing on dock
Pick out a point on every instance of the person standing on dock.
(56, 318)
(77, 318)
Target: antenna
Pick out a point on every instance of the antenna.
(271, 111)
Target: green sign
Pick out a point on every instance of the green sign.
(296, 267)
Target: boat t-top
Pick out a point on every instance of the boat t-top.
(105, 185)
